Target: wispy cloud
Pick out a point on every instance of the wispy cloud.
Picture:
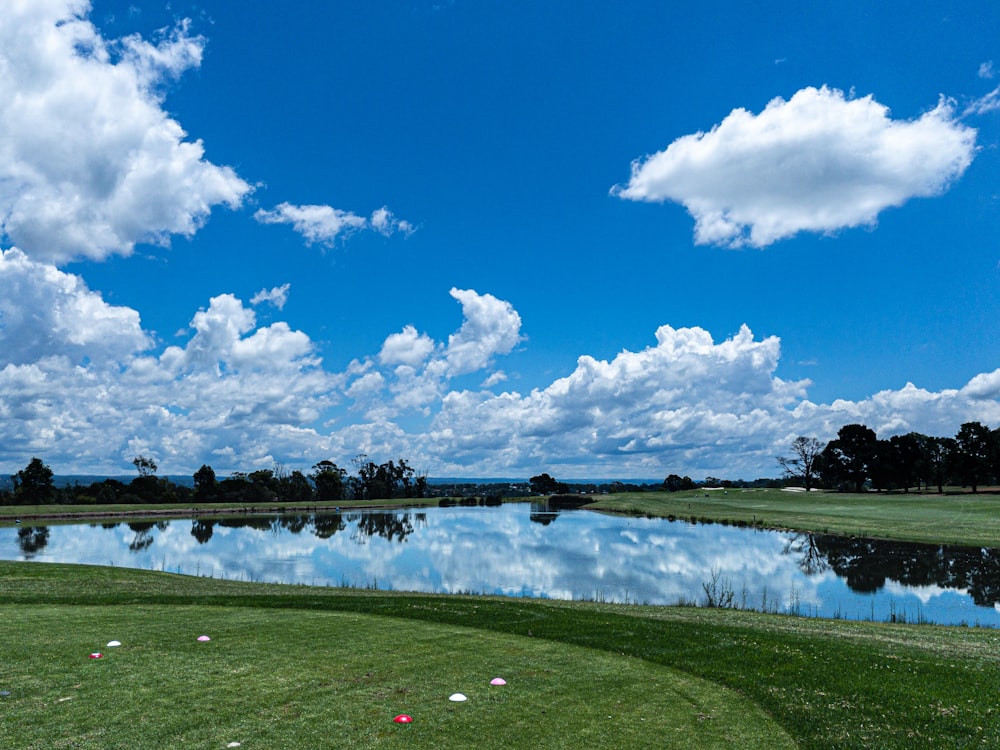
(819, 162)
(326, 225)
(276, 296)
(988, 103)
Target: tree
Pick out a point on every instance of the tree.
(849, 457)
(880, 466)
(205, 489)
(382, 481)
(265, 485)
(803, 464)
(33, 484)
(939, 456)
(675, 483)
(906, 460)
(328, 478)
(973, 450)
(543, 484)
(295, 488)
(145, 466)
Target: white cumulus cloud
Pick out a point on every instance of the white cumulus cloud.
(818, 162)
(47, 313)
(81, 383)
(492, 327)
(406, 348)
(90, 162)
(83, 386)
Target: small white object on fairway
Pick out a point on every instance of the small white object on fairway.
(203, 638)
(457, 697)
(498, 681)
(233, 744)
(112, 644)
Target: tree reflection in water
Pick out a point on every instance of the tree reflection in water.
(542, 513)
(32, 539)
(866, 564)
(143, 538)
(326, 526)
(202, 529)
(389, 526)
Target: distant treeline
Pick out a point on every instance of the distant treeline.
(856, 460)
(325, 483)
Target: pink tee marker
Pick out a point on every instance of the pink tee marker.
(96, 655)
(498, 681)
(203, 638)
(403, 719)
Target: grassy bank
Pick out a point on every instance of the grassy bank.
(10, 513)
(957, 518)
(295, 666)
(961, 518)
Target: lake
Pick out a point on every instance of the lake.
(523, 550)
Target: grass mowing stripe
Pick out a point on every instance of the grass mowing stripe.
(285, 678)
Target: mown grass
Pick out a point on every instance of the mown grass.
(287, 679)
(295, 666)
(961, 518)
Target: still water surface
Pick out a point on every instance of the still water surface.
(522, 550)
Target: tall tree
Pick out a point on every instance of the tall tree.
(939, 457)
(295, 488)
(906, 460)
(144, 465)
(328, 479)
(973, 450)
(849, 457)
(205, 489)
(803, 464)
(33, 484)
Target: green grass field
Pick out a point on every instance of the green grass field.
(959, 518)
(294, 666)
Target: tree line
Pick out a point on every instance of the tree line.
(857, 459)
(325, 483)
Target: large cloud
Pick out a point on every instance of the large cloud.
(686, 405)
(818, 162)
(84, 387)
(90, 163)
(419, 369)
(47, 313)
(81, 385)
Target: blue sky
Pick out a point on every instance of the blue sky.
(593, 239)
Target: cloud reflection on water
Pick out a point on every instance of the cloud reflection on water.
(517, 551)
